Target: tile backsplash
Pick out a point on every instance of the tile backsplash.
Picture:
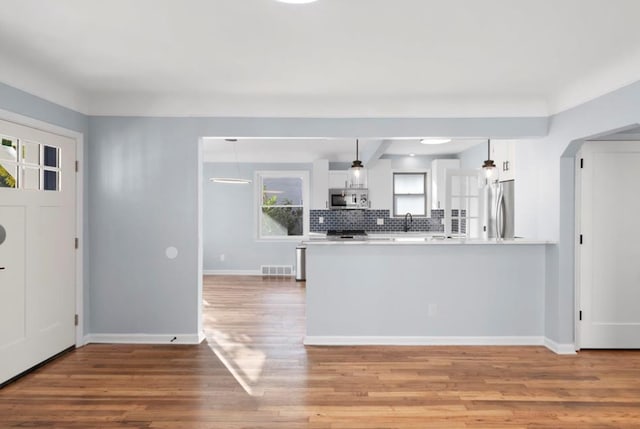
(367, 220)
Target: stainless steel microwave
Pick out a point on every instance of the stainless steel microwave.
(341, 199)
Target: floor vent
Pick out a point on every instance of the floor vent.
(276, 270)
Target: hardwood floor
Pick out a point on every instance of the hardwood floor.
(253, 372)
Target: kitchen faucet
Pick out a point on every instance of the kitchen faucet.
(408, 217)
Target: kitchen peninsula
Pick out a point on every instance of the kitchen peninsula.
(420, 290)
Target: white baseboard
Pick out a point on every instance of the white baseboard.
(561, 349)
(145, 338)
(422, 341)
(232, 272)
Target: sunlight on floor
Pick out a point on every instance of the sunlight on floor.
(243, 362)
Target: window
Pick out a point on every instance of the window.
(283, 210)
(28, 165)
(410, 194)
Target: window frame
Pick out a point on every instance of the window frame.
(427, 192)
(278, 174)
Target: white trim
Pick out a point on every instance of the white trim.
(232, 272)
(145, 338)
(79, 141)
(200, 238)
(560, 349)
(577, 249)
(311, 340)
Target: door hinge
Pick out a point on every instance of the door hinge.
(77, 243)
(580, 238)
(581, 162)
(76, 320)
(580, 315)
(77, 166)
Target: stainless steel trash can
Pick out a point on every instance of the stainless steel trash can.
(301, 263)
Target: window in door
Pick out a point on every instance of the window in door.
(462, 215)
(29, 165)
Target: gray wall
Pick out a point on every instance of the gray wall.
(473, 157)
(229, 221)
(545, 176)
(451, 277)
(129, 221)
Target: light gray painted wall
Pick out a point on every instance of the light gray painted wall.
(385, 290)
(473, 157)
(545, 176)
(143, 198)
(25, 104)
(229, 221)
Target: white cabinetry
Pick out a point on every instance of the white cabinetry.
(503, 154)
(338, 179)
(439, 180)
(380, 185)
(320, 184)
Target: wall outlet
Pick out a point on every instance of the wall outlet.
(379, 221)
(320, 219)
(222, 257)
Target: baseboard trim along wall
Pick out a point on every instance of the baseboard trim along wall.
(232, 272)
(423, 341)
(145, 338)
(561, 349)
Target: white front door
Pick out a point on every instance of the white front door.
(37, 252)
(609, 257)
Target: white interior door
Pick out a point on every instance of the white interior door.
(463, 202)
(609, 257)
(37, 251)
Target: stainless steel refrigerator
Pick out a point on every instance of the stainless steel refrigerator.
(498, 211)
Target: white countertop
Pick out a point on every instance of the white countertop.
(414, 239)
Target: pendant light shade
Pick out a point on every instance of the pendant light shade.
(357, 172)
(489, 167)
(232, 180)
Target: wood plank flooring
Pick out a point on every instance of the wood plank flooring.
(253, 372)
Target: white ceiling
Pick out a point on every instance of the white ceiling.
(308, 150)
(362, 58)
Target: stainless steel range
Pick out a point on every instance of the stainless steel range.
(346, 234)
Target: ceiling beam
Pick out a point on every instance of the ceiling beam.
(372, 154)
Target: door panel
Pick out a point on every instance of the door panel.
(12, 253)
(38, 283)
(610, 273)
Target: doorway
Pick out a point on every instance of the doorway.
(37, 250)
(608, 252)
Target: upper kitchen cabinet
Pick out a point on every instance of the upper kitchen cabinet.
(439, 180)
(320, 184)
(338, 179)
(503, 154)
(381, 185)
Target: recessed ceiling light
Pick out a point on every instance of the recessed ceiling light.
(296, 1)
(412, 154)
(434, 141)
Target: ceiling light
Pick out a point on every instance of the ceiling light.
(434, 141)
(489, 167)
(232, 180)
(412, 154)
(357, 176)
(296, 1)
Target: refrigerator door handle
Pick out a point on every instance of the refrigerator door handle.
(500, 214)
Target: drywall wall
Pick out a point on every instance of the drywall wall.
(230, 223)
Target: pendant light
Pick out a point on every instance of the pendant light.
(232, 180)
(489, 167)
(357, 173)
